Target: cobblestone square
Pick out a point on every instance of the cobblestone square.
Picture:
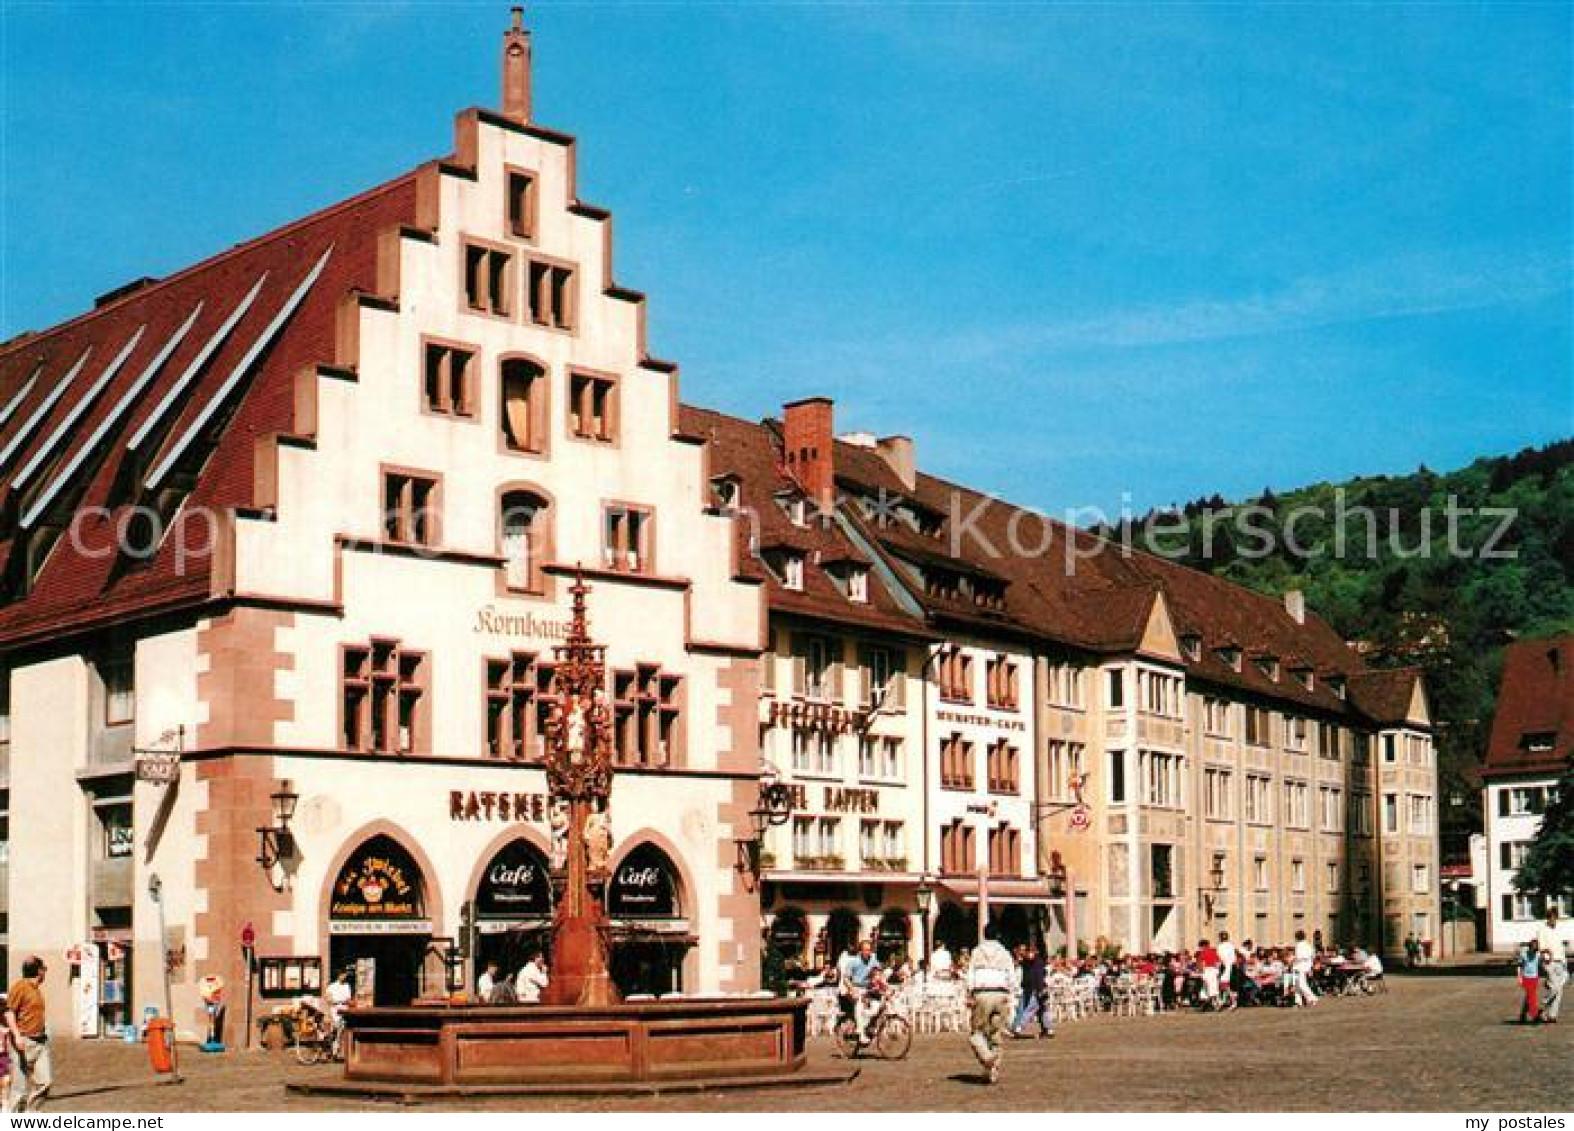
(1432, 1043)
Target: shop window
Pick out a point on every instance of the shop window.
(592, 407)
(520, 204)
(115, 824)
(489, 278)
(551, 294)
(520, 694)
(523, 386)
(523, 537)
(646, 712)
(627, 540)
(449, 379)
(383, 700)
(409, 508)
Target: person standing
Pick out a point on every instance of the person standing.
(989, 978)
(1208, 966)
(1554, 967)
(1228, 957)
(24, 1019)
(532, 979)
(1302, 966)
(1530, 983)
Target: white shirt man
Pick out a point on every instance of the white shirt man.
(486, 983)
(1227, 957)
(1304, 954)
(531, 980)
(990, 976)
(1547, 939)
(940, 963)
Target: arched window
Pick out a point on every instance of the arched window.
(522, 537)
(524, 388)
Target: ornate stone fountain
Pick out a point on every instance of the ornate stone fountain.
(581, 1038)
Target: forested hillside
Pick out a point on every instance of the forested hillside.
(1439, 569)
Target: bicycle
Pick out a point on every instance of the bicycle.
(890, 1034)
(318, 1038)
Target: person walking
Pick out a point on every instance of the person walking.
(1035, 996)
(989, 978)
(24, 1020)
(1554, 967)
(1530, 983)
(1302, 967)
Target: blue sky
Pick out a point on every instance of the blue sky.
(1080, 252)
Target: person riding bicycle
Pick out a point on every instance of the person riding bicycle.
(855, 971)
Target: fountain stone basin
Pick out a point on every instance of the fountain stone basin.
(690, 1039)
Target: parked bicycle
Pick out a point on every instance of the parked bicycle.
(319, 1038)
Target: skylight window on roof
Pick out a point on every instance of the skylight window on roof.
(110, 421)
(76, 412)
(49, 402)
(179, 386)
(242, 368)
(21, 395)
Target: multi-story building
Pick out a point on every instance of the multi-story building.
(308, 514)
(1531, 743)
(1202, 758)
(286, 539)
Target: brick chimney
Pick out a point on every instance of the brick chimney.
(808, 439)
(1295, 605)
(516, 70)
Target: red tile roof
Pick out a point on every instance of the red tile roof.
(1535, 707)
(80, 584)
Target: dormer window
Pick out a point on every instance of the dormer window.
(792, 571)
(1231, 657)
(1269, 666)
(1191, 645)
(795, 507)
(1303, 676)
(726, 491)
(1336, 685)
(1540, 742)
(858, 585)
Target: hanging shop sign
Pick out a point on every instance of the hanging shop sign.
(487, 805)
(515, 885)
(158, 768)
(645, 886)
(379, 882)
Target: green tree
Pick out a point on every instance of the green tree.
(1548, 868)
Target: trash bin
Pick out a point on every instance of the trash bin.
(161, 1035)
